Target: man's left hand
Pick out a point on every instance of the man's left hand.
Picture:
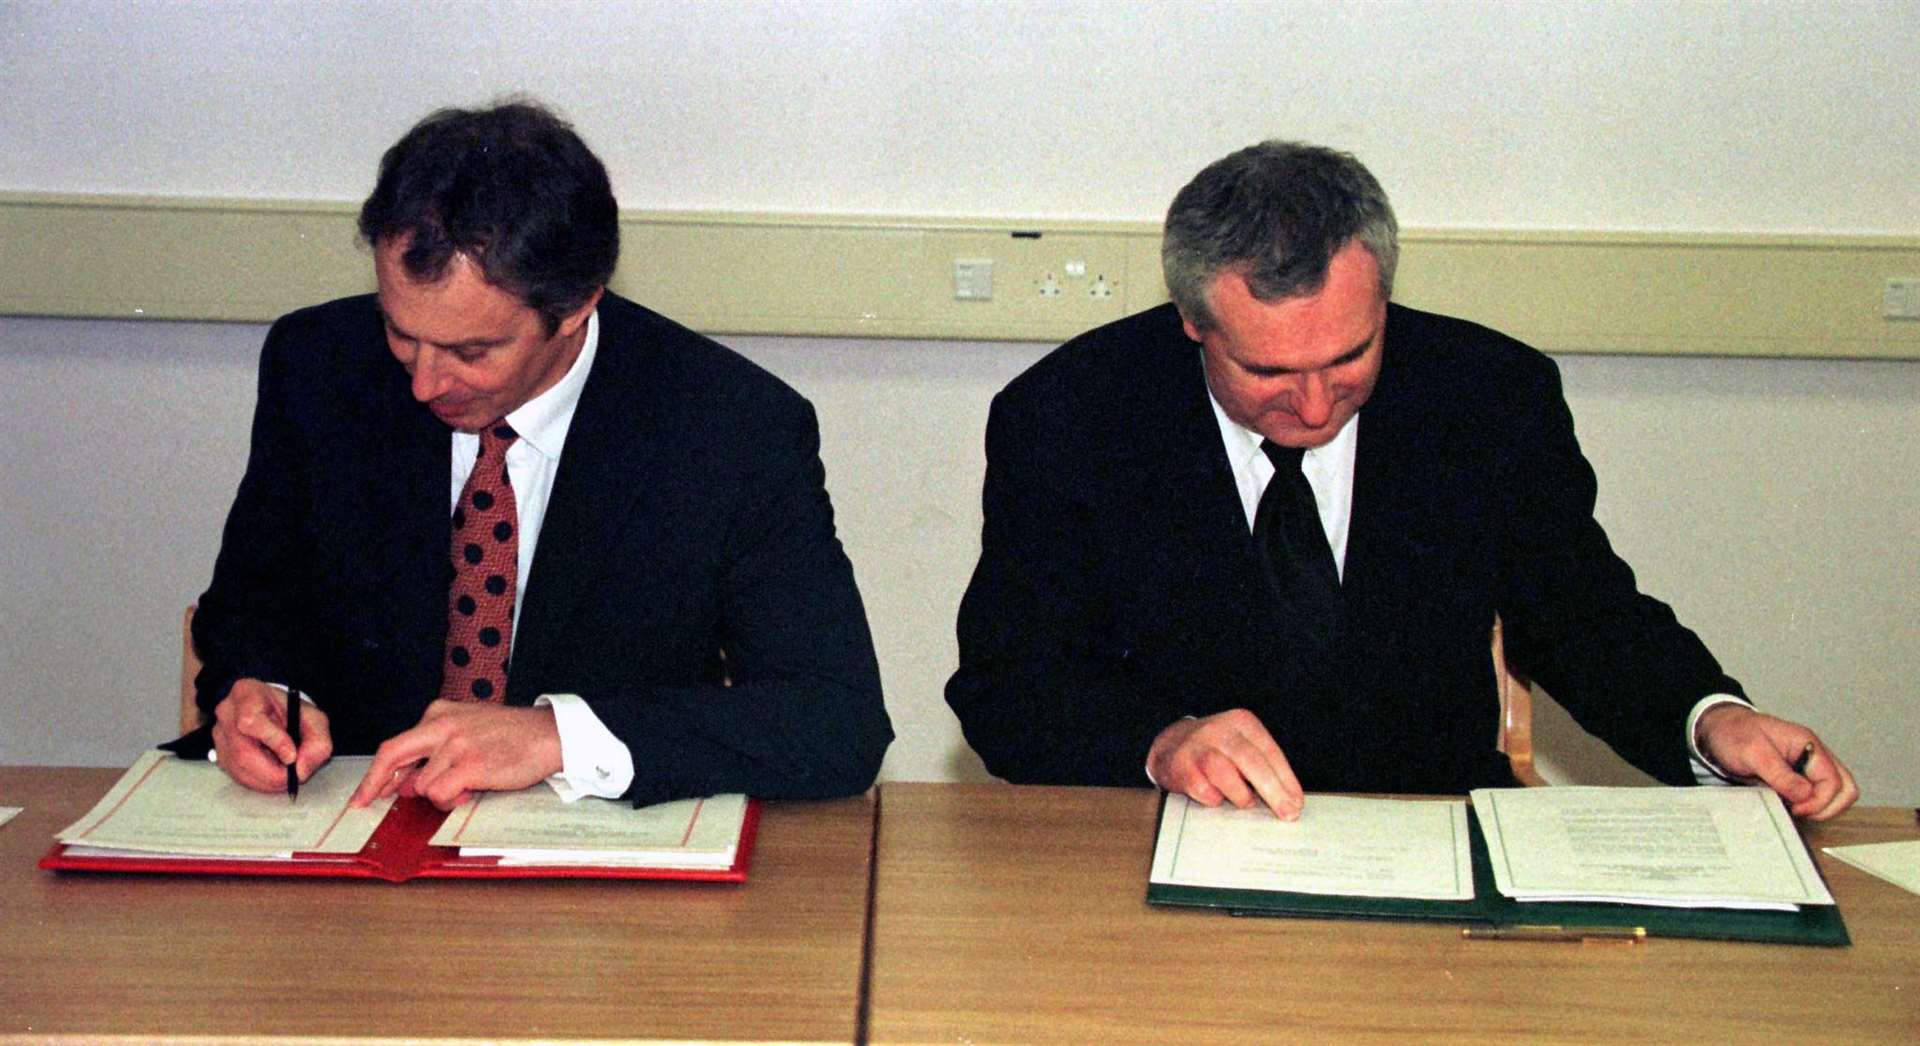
(1754, 746)
(462, 747)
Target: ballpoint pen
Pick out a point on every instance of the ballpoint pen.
(293, 731)
(1806, 756)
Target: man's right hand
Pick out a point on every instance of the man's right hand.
(1227, 756)
(250, 736)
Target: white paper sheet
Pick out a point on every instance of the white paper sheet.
(1339, 846)
(1897, 863)
(1681, 847)
(166, 805)
(535, 826)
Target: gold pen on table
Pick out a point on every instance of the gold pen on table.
(1527, 932)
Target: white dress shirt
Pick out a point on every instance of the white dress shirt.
(594, 762)
(1329, 471)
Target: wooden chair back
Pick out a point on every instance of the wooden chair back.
(1515, 736)
(189, 668)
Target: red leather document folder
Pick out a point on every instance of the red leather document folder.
(400, 850)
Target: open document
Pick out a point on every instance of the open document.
(176, 816)
(1681, 847)
(1709, 863)
(1339, 846)
(164, 805)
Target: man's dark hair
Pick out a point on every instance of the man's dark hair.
(513, 188)
(1276, 213)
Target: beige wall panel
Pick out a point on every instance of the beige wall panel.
(741, 274)
(1691, 295)
(116, 257)
(127, 257)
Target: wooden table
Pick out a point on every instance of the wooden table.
(83, 957)
(1017, 914)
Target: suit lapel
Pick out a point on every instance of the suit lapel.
(1181, 470)
(592, 499)
(410, 499)
(1195, 484)
(1387, 537)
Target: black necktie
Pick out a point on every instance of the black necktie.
(1299, 563)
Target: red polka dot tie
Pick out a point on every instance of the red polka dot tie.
(486, 552)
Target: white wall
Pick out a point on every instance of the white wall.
(1557, 114)
(1771, 501)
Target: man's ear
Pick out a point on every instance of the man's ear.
(570, 324)
(1186, 324)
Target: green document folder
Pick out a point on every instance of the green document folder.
(1817, 924)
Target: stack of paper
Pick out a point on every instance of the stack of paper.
(1339, 846)
(168, 807)
(1686, 847)
(534, 827)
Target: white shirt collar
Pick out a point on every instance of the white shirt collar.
(1328, 469)
(543, 421)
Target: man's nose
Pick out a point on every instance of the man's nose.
(1313, 401)
(427, 382)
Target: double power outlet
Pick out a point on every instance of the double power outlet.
(1072, 279)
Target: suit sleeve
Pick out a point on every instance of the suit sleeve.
(801, 716)
(1045, 690)
(248, 622)
(1575, 619)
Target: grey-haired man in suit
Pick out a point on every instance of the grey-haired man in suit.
(1255, 539)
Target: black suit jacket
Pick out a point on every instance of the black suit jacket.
(1119, 589)
(689, 515)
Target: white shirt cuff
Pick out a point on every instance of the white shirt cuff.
(1703, 769)
(592, 760)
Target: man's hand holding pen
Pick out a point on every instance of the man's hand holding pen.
(253, 745)
(1784, 756)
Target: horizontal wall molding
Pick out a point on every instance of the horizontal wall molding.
(124, 257)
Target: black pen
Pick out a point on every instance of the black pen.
(1806, 756)
(293, 731)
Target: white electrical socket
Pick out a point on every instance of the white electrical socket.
(973, 279)
(1901, 299)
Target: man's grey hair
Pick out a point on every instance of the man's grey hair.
(1276, 213)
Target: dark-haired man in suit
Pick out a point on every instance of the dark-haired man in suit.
(1255, 539)
(502, 526)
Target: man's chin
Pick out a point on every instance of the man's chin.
(456, 418)
(1303, 439)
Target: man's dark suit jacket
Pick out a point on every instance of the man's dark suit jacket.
(1119, 589)
(689, 516)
